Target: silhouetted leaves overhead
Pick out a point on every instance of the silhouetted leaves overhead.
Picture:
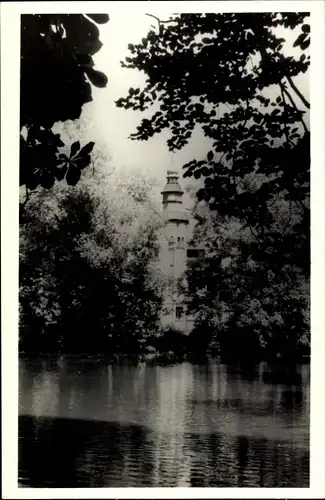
(97, 78)
(73, 175)
(228, 75)
(56, 76)
(74, 148)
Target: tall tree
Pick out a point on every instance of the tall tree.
(86, 280)
(245, 307)
(57, 70)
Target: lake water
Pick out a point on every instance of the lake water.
(91, 424)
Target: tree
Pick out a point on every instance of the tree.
(245, 307)
(228, 74)
(86, 281)
(57, 70)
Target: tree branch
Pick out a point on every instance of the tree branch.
(159, 21)
(297, 91)
(253, 233)
(290, 216)
(294, 105)
(286, 133)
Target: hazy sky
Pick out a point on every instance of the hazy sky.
(111, 126)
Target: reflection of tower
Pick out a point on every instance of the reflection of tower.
(173, 248)
(170, 418)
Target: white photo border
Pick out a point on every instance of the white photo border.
(10, 92)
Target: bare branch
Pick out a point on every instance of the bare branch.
(159, 21)
(154, 17)
(294, 105)
(286, 133)
(297, 91)
(253, 233)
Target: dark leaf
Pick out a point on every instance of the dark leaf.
(281, 40)
(63, 157)
(47, 179)
(57, 141)
(97, 78)
(91, 47)
(32, 182)
(60, 172)
(119, 103)
(85, 60)
(73, 175)
(82, 162)
(74, 149)
(87, 149)
(304, 45)
(299, 40)
(210, 155)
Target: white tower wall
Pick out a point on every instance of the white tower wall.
(173, 251)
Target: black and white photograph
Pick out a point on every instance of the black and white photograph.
(164, 292)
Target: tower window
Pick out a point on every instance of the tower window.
(193, 253)
(179, 312)
(180, 242)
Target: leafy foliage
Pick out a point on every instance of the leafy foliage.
(231, 75)
(86, 280)
(245, 306)
(56, 70)
(228, 74)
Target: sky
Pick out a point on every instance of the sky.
(111, 126)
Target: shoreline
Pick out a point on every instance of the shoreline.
(164, 358)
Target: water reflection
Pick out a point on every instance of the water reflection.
(87, 424)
